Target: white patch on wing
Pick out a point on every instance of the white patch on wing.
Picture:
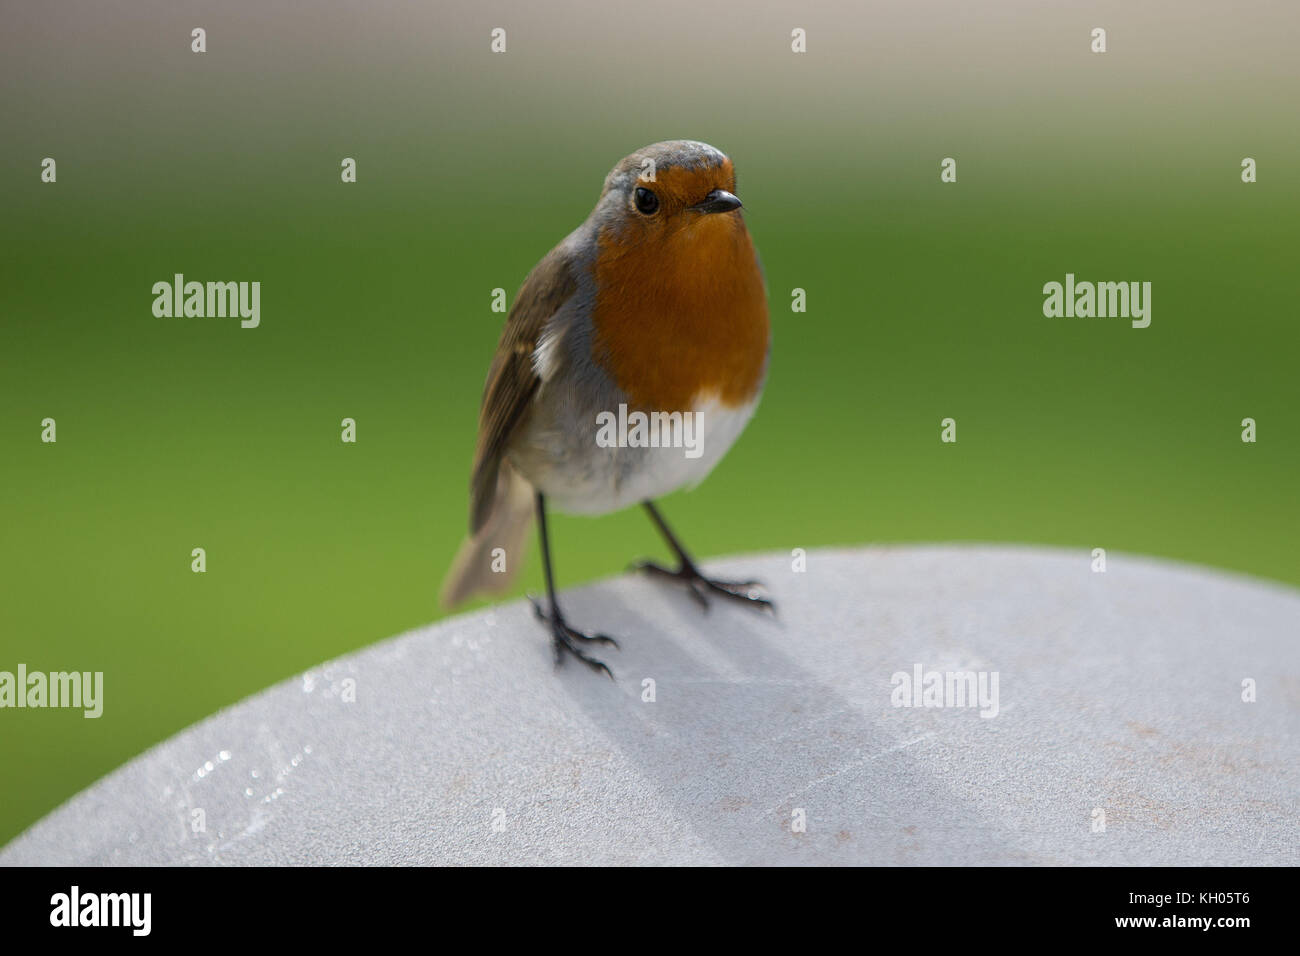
(546, 353)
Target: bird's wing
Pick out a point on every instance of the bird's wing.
(512, 380)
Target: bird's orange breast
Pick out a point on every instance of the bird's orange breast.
(682, 315)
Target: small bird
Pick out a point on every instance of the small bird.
(656, 305)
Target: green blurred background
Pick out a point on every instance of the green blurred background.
(924, 301)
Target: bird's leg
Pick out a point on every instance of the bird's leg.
(563, 637)
(687, 573)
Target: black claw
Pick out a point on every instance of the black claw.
(595, 665)
(561, 641)
(565, 638)
(699, 585)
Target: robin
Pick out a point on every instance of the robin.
(633, 357)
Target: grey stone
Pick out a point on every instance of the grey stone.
(1119, 693)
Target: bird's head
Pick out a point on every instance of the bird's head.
(666, 189)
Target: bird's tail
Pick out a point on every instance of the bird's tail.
(479, 566)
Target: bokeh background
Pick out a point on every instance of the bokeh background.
(924, 301)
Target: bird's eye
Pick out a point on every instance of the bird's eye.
(646, 201)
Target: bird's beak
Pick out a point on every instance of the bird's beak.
(718, 201)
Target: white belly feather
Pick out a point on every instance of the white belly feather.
(587, 478)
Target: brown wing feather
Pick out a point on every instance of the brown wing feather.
(511, 380)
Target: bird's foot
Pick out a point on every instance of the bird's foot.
(700, 586)
(565, 638)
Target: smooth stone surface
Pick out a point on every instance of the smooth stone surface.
(1120, 691)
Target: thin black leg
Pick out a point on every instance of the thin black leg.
(689, 574)
(668, 535)
(546, 548)
(563, 637)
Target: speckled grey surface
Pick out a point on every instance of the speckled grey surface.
(1120, 691)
